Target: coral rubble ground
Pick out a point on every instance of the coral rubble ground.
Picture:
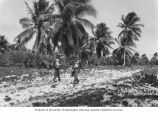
(97, 87)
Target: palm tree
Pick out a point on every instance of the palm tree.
(136, 59)
(3, 43)
(69, 26)
(130, 33)
(124, 52)
(85, 50)
(154, 59)
(102, 41)
(144, 59)
(35, 24)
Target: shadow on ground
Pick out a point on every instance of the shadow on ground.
(115, 95)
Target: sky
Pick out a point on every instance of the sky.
(109, 12)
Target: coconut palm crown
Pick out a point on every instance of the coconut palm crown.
(102, 41)
(70, 23)
(130, 33)
(35, 24)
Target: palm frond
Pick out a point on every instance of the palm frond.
(108, 44)
(137, 34)
(138, 25)
(27, 38)
(26, 23)
(134, 20)
(137, 31)
(59, 5)
(36, 9)
(79, 31)
(121, 25)
(130, 48)
(129, 53)
(50, 18)
(83, 10)
(123, 19)
(121, 33)
(86, 23)
(29, 9)
(24, 34)
(106, 50)
(43, 5)
(85, 55)
(117, 41)
(82, 1)
(50, 9)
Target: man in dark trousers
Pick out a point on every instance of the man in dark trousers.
(57, 70)
(76, 70)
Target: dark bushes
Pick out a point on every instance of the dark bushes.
(146, 77)
(26, 59)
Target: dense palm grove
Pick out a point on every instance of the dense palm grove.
(60, 28)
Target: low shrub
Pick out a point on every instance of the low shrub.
(27, 59)
(146, 77)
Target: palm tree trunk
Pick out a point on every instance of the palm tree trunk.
(124, 62)
(98, 61)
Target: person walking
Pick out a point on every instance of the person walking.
(76, 70)
(57, 70)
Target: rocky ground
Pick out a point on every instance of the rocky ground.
(97, 87)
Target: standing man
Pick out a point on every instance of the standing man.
(57, 70)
